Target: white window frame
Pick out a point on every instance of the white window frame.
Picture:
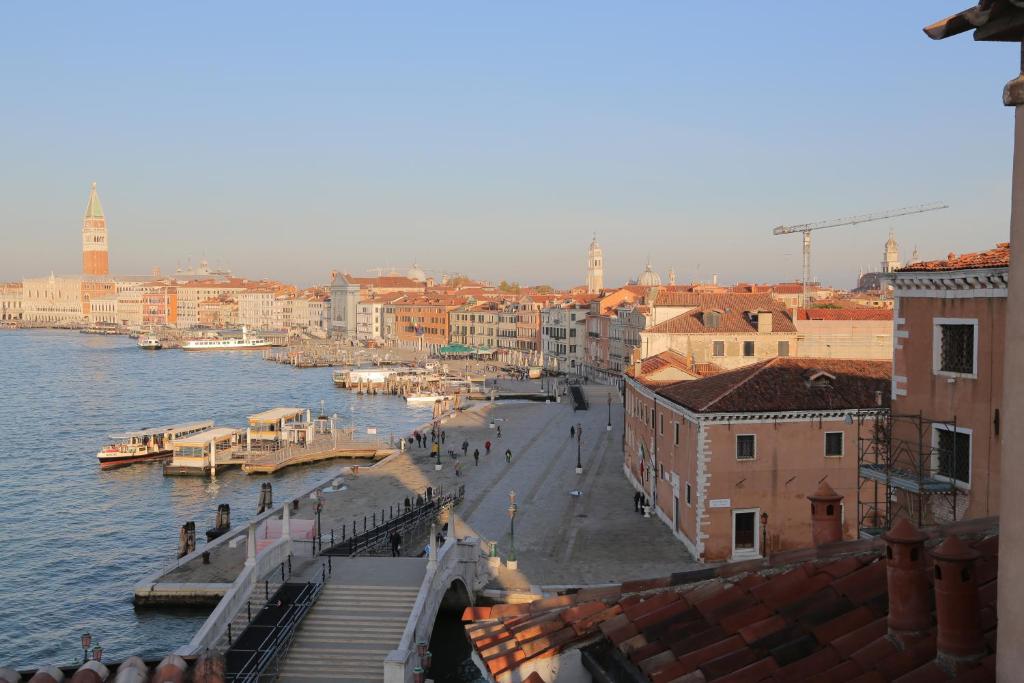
(937, 324)
(746, 554)
(842, 444)
(736, 448)
(970, 454)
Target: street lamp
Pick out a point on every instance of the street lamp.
(86, 642)
(609, 428)
(579, 448)
(512, 509)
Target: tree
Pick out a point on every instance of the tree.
(509, 287)
(544, 289)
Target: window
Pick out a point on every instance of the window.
(745, 447)
(953, 457)
(955, 346)
(718, 348)
(689, 494)
(675, 428)
(783, 349)
(748, 348)
(661, 424)
(833, 444)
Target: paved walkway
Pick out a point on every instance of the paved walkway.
(358, 619)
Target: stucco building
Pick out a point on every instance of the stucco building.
(726, 461)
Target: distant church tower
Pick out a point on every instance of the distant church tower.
(892, 255)
(595, 268)
(671, 277)
(94, 237)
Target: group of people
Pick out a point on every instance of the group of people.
(436, 439)
(640, 502)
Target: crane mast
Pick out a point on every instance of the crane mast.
(806, 229)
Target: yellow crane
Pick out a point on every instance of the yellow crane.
(806, 229)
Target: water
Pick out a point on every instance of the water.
(76, 540)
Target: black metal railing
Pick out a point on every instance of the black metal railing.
(375, 534)
(267, 637)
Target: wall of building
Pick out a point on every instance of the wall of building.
(700, 347)
(862, 339)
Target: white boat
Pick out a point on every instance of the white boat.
(150, 342)
(427, 398)
(246, 341)
(142, 445)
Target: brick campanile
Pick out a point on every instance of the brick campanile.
(94, 237)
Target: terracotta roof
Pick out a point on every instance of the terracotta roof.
(387, 281)
(993, 258)
(787, 384)
(844, 314)
(205, 669)
(734, 310)
(673, 359)
(817, 614)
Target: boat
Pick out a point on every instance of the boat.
(427, 398)
(243, 343)
(143, 445)
(150, 342)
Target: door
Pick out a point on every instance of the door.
(744, 532)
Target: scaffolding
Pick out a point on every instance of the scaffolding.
(904, 471)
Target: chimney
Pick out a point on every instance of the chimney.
(826, 524)
(956, 605)
(910, 604)
(764, 322)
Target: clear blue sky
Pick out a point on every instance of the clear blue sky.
(289, 139)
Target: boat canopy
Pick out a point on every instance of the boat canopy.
(275, 415)
(151, 431)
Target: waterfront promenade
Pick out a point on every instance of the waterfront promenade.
(560, 538)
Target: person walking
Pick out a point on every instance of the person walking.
(465, 448)
(487, 448)
(572, 432)
(442, 436)
(499, 431)
(396, 544)
(636, 502)
(508, 455)
(458, 468)
(476, 456)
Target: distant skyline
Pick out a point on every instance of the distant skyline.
(494, 140)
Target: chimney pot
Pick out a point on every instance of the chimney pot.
(910, 604)
(956, 604)
(826, 521)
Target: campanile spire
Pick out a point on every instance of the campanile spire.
(95, 260)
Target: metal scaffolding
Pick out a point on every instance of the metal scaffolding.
(900, 472)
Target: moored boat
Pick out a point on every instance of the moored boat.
(150, 342)
(244, 343)
(143, 445)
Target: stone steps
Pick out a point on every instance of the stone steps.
(348, 633)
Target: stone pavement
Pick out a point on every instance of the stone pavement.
(560, 538)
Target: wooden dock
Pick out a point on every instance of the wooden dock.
(325, 447)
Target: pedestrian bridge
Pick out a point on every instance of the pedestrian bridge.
(367, 616)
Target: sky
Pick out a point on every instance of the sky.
(286, 140)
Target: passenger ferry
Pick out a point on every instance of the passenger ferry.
(246, 342)
(143, 445)
(150, 342)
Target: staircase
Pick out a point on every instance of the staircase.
(348, 633)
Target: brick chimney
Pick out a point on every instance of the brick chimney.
(956, 605)
(826, 522)
(910, 604)
(764, 322)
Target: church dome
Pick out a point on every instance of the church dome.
(649, 278)
(416, 273)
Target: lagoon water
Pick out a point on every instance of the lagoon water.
(74, 539)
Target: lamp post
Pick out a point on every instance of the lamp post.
(579, 448)
(609, 428)
(512, 508)
(86, 642)
(764, 534)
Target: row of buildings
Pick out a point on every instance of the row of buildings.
(726, 454)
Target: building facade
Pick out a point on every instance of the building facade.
(95, 256)
(725, 461)
(595, 267)
(11, 298)
(53, 299)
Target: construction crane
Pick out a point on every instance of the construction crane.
(806, 228)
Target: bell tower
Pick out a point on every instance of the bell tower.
(595, 268)
(94, 237)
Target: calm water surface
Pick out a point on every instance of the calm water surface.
(76, 540)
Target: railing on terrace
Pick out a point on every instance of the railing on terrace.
(317, 447)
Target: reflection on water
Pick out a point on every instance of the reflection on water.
(75, 539)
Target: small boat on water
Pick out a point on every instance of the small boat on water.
(150, 342)
(143, 445)
(244, 343)
(427, 398)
